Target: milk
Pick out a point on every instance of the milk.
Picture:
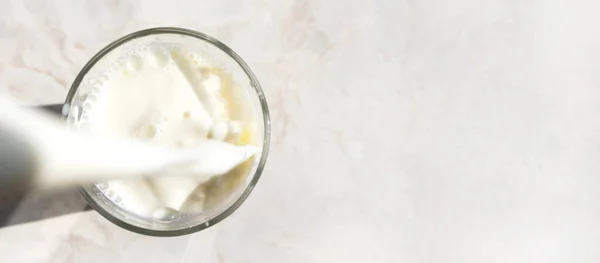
(172, 97)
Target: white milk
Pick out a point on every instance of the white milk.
(168, 96)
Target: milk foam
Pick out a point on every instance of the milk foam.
(169, 96)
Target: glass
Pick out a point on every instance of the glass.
(242, 76)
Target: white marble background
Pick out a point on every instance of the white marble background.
(403, 130)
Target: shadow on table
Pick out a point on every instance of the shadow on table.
(24, 207)
(33, 206)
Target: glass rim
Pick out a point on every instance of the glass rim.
(253, 82)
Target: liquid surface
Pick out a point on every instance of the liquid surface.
(173, 97)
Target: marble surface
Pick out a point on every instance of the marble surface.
(403, 130)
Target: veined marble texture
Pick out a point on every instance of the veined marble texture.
(403, 130)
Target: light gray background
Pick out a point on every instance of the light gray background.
(403, 131)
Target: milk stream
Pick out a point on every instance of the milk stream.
(58, 157)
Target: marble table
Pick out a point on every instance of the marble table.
(403, 130)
